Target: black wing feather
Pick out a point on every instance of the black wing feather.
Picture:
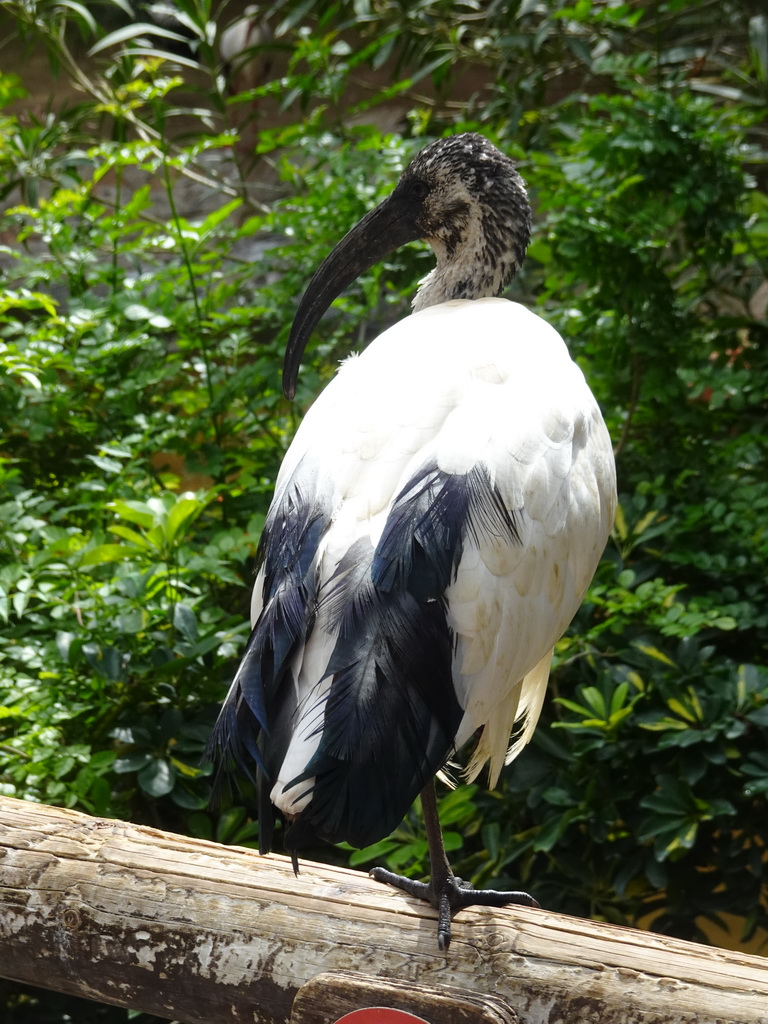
(252, 732)
(390, 718)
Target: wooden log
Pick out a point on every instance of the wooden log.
(199, 932)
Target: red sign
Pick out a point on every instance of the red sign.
(380, 1015)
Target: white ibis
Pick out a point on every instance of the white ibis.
(435, 525)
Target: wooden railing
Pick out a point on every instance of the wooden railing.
(202, 933)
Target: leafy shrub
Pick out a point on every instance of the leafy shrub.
(143, 424)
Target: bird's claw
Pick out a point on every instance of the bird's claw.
(450, 896)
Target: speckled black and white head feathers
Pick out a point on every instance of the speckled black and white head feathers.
(463, 197)
(473, 211)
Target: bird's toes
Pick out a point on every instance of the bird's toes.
(461, 884)
(408, 885)
(469, 897)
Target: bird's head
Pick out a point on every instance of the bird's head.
(462, 196)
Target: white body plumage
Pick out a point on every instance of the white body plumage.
(460, 383)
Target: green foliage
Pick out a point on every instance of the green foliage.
(141, 338)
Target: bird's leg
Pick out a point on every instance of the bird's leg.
(444, 891)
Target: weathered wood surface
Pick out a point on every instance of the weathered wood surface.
(328, 996)
(205, 933)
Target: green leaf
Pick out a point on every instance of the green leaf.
(230, 824)
(105, 553)
(691, 710)
(180, 516)
(131, 763)
(157, 778)
(216, 217)
(108, 465)
(456, 804)
(135, 539)
(80, 10)
(655, 653)
(188, 800)
(134, 32)
(550, 832)
(106, 660)
(138, 512)
(185, 621)
(377, 851)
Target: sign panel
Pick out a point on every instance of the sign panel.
(380, 1015)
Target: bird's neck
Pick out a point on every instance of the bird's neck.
(480, 264)
(456, 281)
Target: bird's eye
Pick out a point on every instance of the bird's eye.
(419, 189)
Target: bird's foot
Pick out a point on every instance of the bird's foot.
(451, 895)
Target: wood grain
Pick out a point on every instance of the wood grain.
(199, 932)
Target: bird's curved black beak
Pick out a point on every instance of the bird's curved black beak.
(387, 227)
